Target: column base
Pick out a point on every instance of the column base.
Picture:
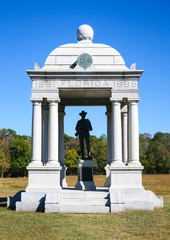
(85, 175)
(117, 163)
(43, 179)
(35, 164)
(134, 163)
(126, 177)
(52, 163)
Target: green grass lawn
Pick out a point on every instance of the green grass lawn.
(128, 225)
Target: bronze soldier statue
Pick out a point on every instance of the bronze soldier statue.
(83, 127)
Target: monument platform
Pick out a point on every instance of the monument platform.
(71, 200)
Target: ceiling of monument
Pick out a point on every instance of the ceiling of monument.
(74, 97)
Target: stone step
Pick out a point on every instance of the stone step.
(84, 209)
(29, 206)
(83, 195)
(84, 202)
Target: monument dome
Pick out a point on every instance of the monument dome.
(104, 57)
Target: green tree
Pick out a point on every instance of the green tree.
(99, 153)
(158, 156)
(4, 158)
(144, 143)
(155, 152)
(8, 135)
(20, 151)
(70, 159)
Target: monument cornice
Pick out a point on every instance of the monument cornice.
(78, 75)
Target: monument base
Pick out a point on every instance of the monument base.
(45, 194)
(127, 192)
(85, 175)
(41, 181)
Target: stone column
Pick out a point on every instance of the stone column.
(36, 158)
(109, 147)
(116, 133)
(53, 134)
(61, 147)
(124, 137)
(133, 133)
(109, 143)
(45, 136)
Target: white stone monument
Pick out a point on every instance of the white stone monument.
(85, 73)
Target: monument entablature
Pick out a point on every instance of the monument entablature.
(120, 83)
(85, 74)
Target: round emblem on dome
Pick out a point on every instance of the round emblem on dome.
(84, 60)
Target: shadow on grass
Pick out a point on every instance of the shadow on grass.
(3, 202)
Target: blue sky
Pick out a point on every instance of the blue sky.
(139, 30)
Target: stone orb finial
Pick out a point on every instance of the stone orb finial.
(85, 32)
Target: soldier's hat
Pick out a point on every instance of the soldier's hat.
(83, 113)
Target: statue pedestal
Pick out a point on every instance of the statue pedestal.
(85, 175)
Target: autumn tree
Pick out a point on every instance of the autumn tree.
(15, 153)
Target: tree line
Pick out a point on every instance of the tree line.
(15, 153)
(155, 152)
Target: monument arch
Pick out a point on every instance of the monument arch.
(85, 73)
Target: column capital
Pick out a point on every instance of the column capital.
(116, 103)
(53, 100)
(113, 99)
(37, 103)
(130, 100)
(36, 100)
